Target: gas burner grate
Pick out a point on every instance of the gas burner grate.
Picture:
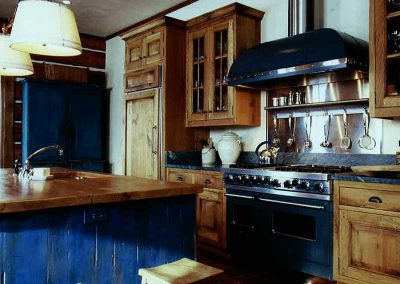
(314, 169)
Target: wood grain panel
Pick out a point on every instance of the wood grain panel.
(368, 247)
(142, 136)
(66, 73)
(7, 122)
(88, 58)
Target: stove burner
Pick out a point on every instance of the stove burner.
(314, 169)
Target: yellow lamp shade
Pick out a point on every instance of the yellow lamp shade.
(12, 62)
(45, 28)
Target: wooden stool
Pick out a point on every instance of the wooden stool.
(179, 272)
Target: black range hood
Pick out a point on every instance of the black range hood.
(307, 53)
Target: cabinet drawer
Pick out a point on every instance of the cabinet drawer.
(180, 177)
(144, 79)
(370, 198)
(209, 181)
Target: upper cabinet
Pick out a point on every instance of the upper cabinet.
(145, 50)
(384, 58)
(214, 40)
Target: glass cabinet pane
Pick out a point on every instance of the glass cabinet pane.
(198, 75)
(221, 70)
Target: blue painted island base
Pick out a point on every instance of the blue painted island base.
(96, 244)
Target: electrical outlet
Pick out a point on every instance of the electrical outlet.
(94, 215)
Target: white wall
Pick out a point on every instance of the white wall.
(343, 15)
(115, 60)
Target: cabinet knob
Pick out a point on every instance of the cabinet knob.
(207, 181)
(375, 199)
(179, 178)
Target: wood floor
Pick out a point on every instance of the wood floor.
(236, 274)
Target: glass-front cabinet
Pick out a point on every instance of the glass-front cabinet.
(197, 57)
(385, 58)
(214, 41)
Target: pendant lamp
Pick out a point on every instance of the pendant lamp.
(12, 62)
(45, 28)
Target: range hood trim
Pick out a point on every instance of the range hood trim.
(305, 69)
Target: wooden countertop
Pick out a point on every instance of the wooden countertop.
(65, 191)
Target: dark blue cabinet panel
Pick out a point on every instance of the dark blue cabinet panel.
(68, 114)
(44, 119)
(55, 246)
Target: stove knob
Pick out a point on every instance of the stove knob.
(254, 179)
(276, 182)
(319, 187)
(239, 178)
(264, 180)
(304, 185)
(295, 182)
(287, 184)
(246, 178)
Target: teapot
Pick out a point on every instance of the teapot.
(229, 148)
(268, 155)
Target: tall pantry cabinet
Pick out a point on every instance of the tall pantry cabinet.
(154, 101)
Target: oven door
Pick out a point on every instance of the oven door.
(300, 231)
(242, 230)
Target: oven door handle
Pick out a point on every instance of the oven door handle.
(239, 196)
(293, 204)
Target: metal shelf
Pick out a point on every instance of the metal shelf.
(318, 109)
(317, 105)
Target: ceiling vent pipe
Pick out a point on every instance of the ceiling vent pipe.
(300, 16)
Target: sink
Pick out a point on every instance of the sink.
(77, 175)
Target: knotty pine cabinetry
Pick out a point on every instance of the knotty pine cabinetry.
(214, 40)
(154, 102)
(367, 233)
(211, 210)
(384, 78)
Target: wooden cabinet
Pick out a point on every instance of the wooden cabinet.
(155, 107)
(144, 50)
(142, 134)
(211, 204)
(384, 59)
(214, 40)
(367, 233)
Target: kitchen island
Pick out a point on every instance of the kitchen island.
(92, 228)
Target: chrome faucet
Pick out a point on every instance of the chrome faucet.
(26, 171)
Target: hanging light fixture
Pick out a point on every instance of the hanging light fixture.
(13, 62)
(45, 28)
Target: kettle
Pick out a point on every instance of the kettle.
(268, 155)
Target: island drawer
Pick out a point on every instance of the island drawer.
(178, 176)
(370, 198)
(209, 181)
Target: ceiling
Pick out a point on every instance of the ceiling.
(105, 17)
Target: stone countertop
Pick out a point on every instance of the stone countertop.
(368, 179)
(65, 190)
(213, 168)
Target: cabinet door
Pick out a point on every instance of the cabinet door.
(210, 217)
(153, 48)
(221, 96)
(197, 80)
(86, 116)
(133, 56)
(385, 59)
(142, 134)
(45, 120)
(142, 79)
(369, 246)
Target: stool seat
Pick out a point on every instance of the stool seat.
(179, 272)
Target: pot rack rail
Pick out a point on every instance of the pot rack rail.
(333, 108)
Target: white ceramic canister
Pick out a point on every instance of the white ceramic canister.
(229, 148)
(208, 156)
